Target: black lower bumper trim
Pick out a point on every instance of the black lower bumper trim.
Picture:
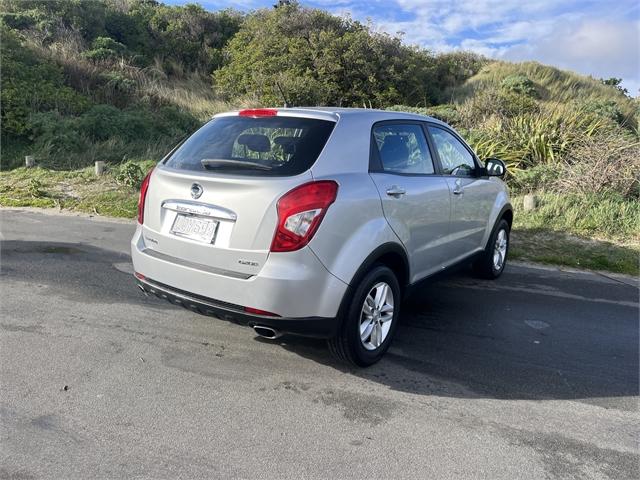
(317, 327)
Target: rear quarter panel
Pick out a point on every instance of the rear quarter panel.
(353, 227)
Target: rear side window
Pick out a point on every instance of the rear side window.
(263, 146)
(403, 149)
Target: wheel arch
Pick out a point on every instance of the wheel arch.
(390, 254)
(506, 213)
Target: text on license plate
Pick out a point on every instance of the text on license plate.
(195, 228)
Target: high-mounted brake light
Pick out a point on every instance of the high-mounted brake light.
(143, 197)
(300, 212)
(258, 112)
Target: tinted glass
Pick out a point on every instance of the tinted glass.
(403, 149)
(455, 158)
(271, 146)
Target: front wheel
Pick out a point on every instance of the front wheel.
(371, 319)
(492, 261)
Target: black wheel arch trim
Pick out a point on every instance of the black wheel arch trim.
(373, 258)
(506, 208)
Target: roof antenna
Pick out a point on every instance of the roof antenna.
(284, 97)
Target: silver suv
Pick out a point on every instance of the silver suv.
(316, 221)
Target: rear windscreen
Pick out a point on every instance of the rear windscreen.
(273, 146)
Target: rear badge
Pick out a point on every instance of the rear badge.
(196, 190)
(249, 263)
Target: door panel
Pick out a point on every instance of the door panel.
(472, 197)
(470, 211)
(415, 202)
(420, 218)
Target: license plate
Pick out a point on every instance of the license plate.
(195, 228)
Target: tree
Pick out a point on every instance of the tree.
(615, 83)
(302, 56)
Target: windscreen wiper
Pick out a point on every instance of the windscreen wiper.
(215, 163)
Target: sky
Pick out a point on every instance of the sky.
(597, 38)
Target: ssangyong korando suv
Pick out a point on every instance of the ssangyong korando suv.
(316, 221)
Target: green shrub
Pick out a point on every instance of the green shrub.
(519, 84)
(532, 179)
(53, 133)
(172, 122)
(108, 43)
(102, 122)
(608, 109)
(30, 84)
(447, 113)
(303, 56)
(18, 20)
(130, 174)
(104, 48)
(34, 188)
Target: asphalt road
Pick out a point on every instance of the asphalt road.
(531, 376)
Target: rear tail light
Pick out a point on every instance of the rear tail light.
(300, 212)
(258, 112)
(143, 197)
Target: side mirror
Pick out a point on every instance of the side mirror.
(495, 167)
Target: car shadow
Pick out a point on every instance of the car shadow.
(528, 335)
(513, 338)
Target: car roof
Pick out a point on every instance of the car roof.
(334, 113)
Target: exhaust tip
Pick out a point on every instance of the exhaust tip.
(266, 332)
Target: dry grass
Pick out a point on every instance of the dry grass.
(599, 164)
(190, 91)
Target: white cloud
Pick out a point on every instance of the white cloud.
(599, 48)
(590, 37)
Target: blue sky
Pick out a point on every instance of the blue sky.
(597, 38)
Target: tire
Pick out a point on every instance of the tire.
(347, 345)
(488, 265)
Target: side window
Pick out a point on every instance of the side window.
(403, 149)
(455, 158)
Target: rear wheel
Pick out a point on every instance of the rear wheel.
(371, 319)
(493, 260)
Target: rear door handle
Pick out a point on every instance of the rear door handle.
(395, 191)
(458, 190)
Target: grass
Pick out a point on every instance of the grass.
(604, 216)
(558, 248)
(552, 84)
(76, 190)
(599, 232)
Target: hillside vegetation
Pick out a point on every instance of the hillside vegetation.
(124, 80)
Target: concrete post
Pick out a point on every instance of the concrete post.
(29, 161)
(530, 202)
(99, 167)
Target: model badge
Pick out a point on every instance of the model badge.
(249, 263)
(196, 190)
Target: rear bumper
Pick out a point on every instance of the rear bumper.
(292, 284)
(317, 327)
